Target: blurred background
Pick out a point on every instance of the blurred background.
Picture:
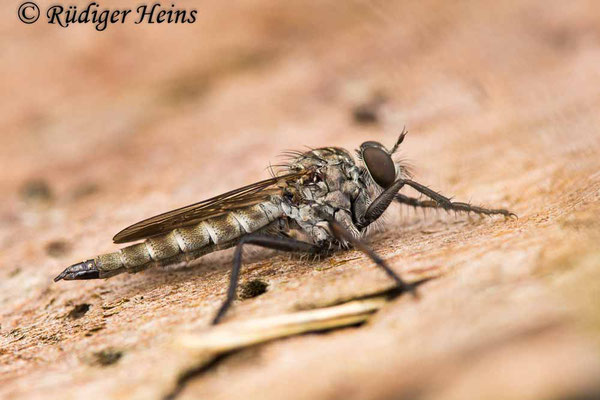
(101, 129)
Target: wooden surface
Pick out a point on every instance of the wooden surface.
(501, 99)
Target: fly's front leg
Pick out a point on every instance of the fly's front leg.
(383, 201)
(379, 205)
(342, 233)
(446, 203)
(270, 242)
(411, 201)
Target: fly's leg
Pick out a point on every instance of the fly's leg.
(458, 206)
(342, 233)
(379, 205)
(411, 201)
(382, 202)
(447, 204)
(270, 242)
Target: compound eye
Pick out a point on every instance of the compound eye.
(380, 165)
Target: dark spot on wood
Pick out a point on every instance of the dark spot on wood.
(368, 112)
(252, 289)
(79, 311)
(57, 248)
(85, 189)
(200, 80)
(107, 357)
(563, 38)
(36, 191)
(365, 114)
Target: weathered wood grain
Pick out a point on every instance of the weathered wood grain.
(501, 100)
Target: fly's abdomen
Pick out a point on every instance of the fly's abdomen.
(181, 244)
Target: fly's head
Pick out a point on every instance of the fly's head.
(378, 166)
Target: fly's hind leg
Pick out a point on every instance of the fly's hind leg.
(270, 242)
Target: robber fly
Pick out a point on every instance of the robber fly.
(323, 193)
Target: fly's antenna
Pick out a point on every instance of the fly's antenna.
(400, 140)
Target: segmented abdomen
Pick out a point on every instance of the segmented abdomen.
(190, 242)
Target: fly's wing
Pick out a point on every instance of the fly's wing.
(219, 205)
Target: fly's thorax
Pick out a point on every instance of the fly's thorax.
(332, 169)
(335, 186)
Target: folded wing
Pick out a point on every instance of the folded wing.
(218, 205)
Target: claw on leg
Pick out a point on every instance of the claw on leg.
(439, 201)
(83, 270)
(341, 233)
